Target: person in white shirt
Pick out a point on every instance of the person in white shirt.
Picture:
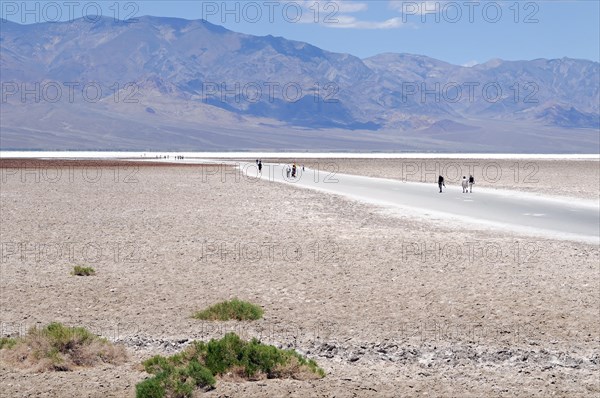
(465, 185)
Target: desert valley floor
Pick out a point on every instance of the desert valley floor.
(389, 305)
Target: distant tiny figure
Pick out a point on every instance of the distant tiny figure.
(302, 167)
(441, 183)
(259, 167)
(288, 170)
(465, 185)
(256, 161)
(471, 182)
(294, 171)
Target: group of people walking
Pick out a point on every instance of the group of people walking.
(467, 184)
(292, 171)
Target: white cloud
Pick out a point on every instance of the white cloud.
(348, 22)
(334, 14)
(333, 6)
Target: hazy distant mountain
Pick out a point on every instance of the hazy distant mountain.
(559, 116)
(168, 82)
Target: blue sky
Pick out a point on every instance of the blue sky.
(461, 32)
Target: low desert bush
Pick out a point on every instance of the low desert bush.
(234, 309)
(83, 271)
(62, 348)
(230, 357)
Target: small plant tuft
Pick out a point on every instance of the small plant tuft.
(197, 366)
(234, 309)
(7, 342)
(83, 271)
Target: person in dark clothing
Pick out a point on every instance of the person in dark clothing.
(259, 167)
(441, 183)
(471, 182)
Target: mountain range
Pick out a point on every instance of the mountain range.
(173, 84)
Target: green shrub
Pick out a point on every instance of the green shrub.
(150, 388)
(220, 355)
(65, 338)
(201, 374)
(83, 271)
(196, 367)
(234, 309)
(178, 376)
